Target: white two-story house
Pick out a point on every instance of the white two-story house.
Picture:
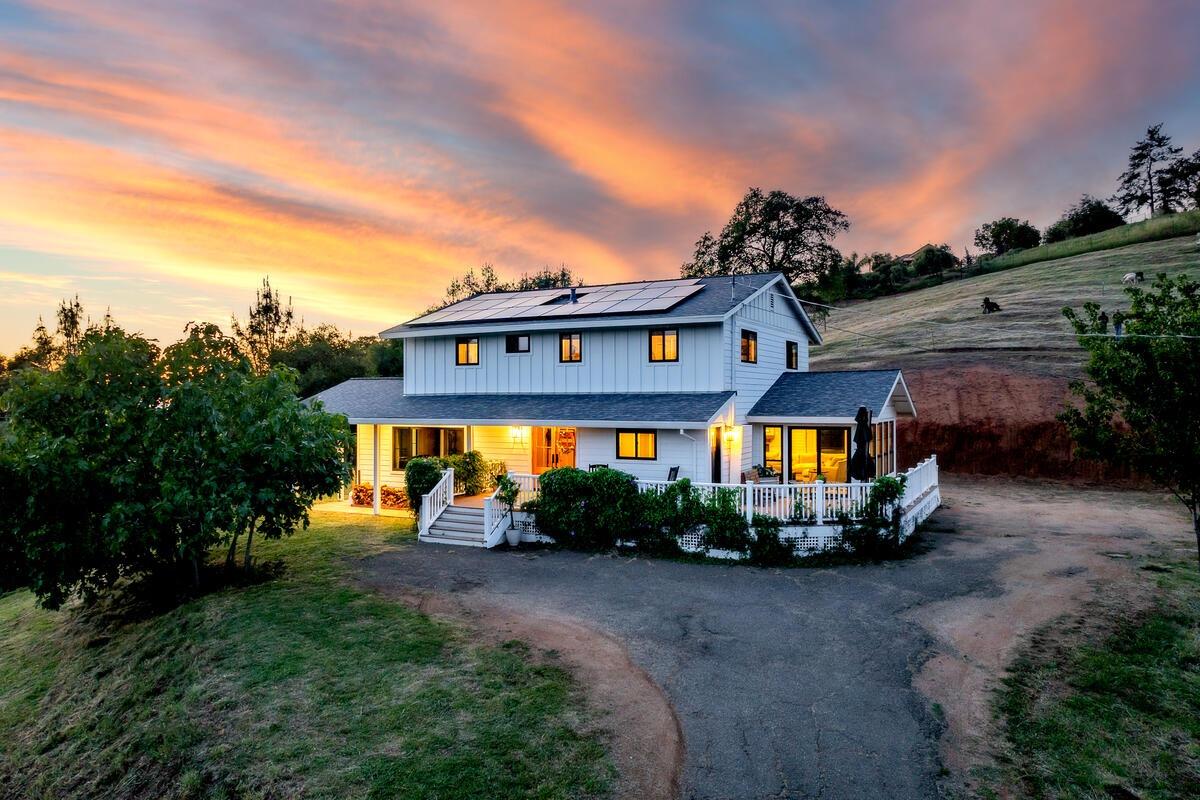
(702, 378)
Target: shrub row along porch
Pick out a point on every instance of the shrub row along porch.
(811, 513)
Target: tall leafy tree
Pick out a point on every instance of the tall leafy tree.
(323, 357)
(1141, 184)
(1139, 399)
(130, 463)
(488, 280)
(935, 261)
(1182, 181)
(772, 231)
(267, 326)
(79, 440)
(1087, 216)
(1005, 234)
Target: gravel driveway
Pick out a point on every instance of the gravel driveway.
(787, 683)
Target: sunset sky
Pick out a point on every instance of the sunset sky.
(158, 158)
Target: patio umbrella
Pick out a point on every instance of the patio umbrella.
(862, 468)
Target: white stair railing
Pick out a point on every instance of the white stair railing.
(437, 501)
(494, 516)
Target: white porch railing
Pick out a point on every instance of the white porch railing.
(797, 503)
(437, 501)
(493, 519)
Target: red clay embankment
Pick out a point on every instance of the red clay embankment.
(982, 420)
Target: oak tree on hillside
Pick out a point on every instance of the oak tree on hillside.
(1087, 216)
(1007, 233)
(1139, 399)
(772, 232)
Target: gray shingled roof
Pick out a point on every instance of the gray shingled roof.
(382, 399)
(720, 294)
(828, 394)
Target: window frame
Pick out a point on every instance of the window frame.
(636, 433)
(749, 337)
(459, 341)
(783, 460)
(399, 460)
(510, 338)
(791, 358)
(664, 333)
(564, 338)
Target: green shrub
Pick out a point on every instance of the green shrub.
(420, 476)
(726, 526)
(471, 471)
(588, 510)
(877, 535)
(666, 516)
(767, 549)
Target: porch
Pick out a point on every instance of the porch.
(809, 511)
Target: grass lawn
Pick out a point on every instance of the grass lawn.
(1119, 718)
(301, 686)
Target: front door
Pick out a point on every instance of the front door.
(552, 447)
(715, 435)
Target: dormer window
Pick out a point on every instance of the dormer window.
(466, 351)
(749, 347)
(664, 344)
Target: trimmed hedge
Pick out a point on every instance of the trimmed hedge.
(420, 476)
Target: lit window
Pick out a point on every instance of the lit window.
(466, 350)
(750, 347)
(637, 444)
(793, 355)
(773, 448)
(516, 343)
(402, 447)
(664, 345)
(570, 347)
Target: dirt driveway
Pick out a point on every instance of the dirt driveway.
(855, 682)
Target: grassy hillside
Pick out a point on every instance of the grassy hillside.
(300, 686)
(1151, 230)
(943, 326)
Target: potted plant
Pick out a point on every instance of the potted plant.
(820, 477)
(507, 493)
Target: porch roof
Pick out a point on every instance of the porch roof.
(833, 396)
(382, 400)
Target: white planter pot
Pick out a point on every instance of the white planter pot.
(513, 536)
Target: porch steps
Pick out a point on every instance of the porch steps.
(457, 525)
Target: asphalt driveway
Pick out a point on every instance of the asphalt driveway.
(787, 683)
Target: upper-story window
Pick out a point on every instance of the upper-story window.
(664, 344)
(570, 347)
(466, 350)
(793, 355)
(750, 347)
(516, 343)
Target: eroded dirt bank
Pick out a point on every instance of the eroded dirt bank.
(983, 420)
(1060, 550)
(647, 742)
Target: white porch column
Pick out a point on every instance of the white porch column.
(375, 469)
(895, 449)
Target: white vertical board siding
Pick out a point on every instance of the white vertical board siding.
(599, 446)
(772, 317)
(387, 475)
(497, 443)
(614, 360)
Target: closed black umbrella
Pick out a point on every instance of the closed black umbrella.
(862, 468)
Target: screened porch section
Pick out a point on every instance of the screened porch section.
(799, 454)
